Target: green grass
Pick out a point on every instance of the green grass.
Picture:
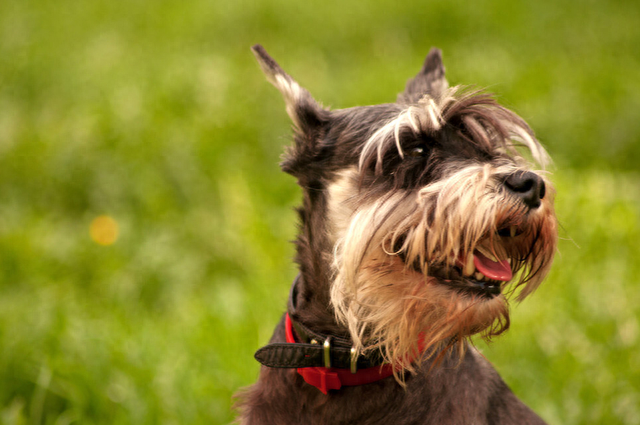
(156, 114)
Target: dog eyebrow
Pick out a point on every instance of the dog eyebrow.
(426, 117)
(487, 122)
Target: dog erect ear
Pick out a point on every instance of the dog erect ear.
(309, 117)
(430, 80)
(306, 113)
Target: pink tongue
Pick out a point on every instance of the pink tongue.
(492, 269)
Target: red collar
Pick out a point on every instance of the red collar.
(331, 378)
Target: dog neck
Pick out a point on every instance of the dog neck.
(324, 360)
(309, 300)
(308, 308)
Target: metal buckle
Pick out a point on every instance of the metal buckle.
(327, 352)
(354, 360)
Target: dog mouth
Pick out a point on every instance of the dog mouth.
(480, 272)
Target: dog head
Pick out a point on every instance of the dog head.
(421, 216)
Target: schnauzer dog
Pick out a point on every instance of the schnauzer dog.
(419, 219)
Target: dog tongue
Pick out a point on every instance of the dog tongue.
(496, 270)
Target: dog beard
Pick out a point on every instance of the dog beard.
(405, 263)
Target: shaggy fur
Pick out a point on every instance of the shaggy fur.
(404, 204)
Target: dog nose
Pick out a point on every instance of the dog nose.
(527, 186)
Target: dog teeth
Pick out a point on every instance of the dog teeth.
(469, 267)
(478, 276)
(512, 231)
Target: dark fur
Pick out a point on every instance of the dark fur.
(458, 389)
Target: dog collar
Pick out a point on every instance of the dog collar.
(320, 364)
(324, 361)
(332, 378)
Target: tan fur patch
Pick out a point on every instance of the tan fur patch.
(342, 202)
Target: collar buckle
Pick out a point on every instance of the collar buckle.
(327, 352)
(354, 360)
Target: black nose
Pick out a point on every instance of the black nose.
(527, 186)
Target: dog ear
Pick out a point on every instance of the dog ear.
(306, 113)
(309, 117)
(429, 81)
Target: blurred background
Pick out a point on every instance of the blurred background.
(145, 225)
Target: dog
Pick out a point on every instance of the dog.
(419, 220)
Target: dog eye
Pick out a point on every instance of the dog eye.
(418, 151)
